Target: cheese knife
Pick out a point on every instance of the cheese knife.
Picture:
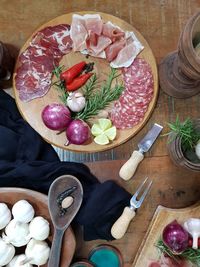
(129, 168)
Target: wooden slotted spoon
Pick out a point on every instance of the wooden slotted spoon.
(61, 223)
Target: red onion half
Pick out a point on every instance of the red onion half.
(175, 237)
(56, 116)
(78, 132)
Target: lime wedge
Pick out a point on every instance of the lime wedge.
(96, 130)
(101, 139)
(104, 123)
(111, 133)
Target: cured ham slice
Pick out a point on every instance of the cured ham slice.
(127, 54)
(33, 77)
(78, 33)
(102, 43)
(90, 35)
(93, 23)
(112, 31)
(113, 49)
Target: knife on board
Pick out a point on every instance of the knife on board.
(129, 168)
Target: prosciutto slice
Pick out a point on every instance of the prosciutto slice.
(78, 33)
(90, 35)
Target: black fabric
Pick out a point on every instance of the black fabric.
(27, 161)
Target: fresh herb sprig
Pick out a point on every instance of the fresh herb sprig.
(186, 131)
(100, 99)
(90, 86)
(60, 86)
(190, 254)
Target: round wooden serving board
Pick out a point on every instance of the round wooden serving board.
(31, 111)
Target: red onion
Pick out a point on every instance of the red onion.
(56, 116)
(78, 132)
(175, 237)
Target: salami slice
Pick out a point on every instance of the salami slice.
(132, 105)
(36, 63)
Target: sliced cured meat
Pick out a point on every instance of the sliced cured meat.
(112, 31)
(78, 33)
(113, 49)
(90, 35)
(127, 54)
(132, 105)
(36, 63)
(102, 43)
(93, 23)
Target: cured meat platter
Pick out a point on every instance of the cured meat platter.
(31, 110)
(148, 252)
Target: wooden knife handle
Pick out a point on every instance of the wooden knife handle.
(129, 168)
(121, 225)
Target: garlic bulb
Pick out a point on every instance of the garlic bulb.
(76, 101)
(37, 251)
(192, 225)
(5, 215)
(39, 228)
(16, 233)
(23, 211)
(7, 252)
(19, 261)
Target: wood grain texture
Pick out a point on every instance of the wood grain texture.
(31, 111)
(163, 216)
(160, 22)
(172, 187)
(40, 204)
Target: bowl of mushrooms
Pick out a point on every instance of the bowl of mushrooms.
(26, 230)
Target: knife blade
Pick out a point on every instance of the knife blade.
(129, 168)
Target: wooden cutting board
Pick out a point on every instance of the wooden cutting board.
(31, 111)
(147, 251)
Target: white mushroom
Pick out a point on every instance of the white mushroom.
(23, 211)
(16, 233)
(19, 261)
(7, 252)
(39, 228)
(5, 215)
(192, 225)
(37, 251)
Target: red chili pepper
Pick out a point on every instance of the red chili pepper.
(78, 82)
(72, 72)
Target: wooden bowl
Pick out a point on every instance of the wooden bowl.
(176, 153)
(40, 204)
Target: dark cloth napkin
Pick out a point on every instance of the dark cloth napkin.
(27, 161)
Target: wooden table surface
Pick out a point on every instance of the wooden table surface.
(160, 22)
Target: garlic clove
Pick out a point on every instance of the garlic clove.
(39, 228)
(192, 225)
(7, 252)
(197, 149)
(76, 101)
(5, 215)
(23, 211)
(16, 233)
(38, 252)
(19, 261)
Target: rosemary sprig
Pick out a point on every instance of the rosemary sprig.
(190, 254)
(88, 89)
(60, 84)
(101, 98)
(188, 134)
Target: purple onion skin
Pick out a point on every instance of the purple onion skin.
(78, 132)
(175, 237)
(56, 116)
